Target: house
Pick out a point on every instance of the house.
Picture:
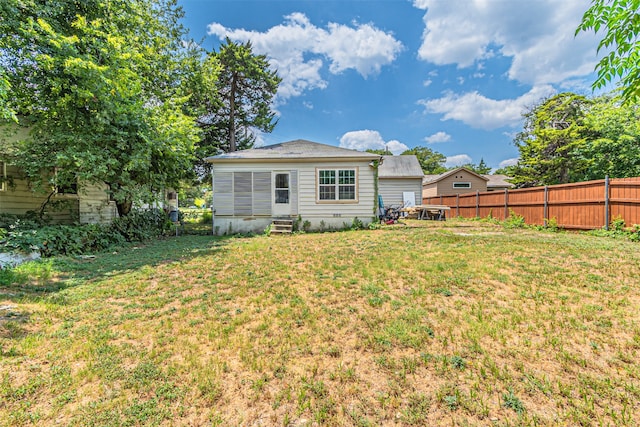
(318, 185)
(88, 203)
(498, 182)
(397, 176)
(456, 181)
(461, 181)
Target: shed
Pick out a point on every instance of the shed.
(398, 175)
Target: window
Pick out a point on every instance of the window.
(337, 184)
(282, 188)
(3, 176)
(461, 185)
(66, 183)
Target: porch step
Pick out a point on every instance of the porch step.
(281, 226)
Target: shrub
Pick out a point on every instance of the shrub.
(25, 236)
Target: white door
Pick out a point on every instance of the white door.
(408, 198)
(281, 205)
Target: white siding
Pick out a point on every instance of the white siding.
(391, 189)
(304, 193)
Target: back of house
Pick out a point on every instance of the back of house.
(315, 185)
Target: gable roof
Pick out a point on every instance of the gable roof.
(299, 149)
(400, 167)
(428, 179)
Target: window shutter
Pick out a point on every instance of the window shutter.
(242, 195)
(223, 193)
(262, 193)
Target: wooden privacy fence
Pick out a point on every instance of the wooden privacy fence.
(584, 205)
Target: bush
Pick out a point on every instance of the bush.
(50, 240)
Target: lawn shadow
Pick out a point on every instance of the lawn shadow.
(43, 279)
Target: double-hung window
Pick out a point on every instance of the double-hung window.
(337, 185)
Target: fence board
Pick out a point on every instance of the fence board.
(581, 205)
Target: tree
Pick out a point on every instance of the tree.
(620, 20)
(430, 161)
(98, 84)
(244, 89)
(481, 168)
(552, 133)
(613, 146)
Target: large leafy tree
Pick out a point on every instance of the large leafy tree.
(98, 83)
(430, 161)
(620, 22)
(613, 147)
(553, 132)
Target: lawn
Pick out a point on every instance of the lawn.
(432, 323)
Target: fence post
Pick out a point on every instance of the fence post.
(606, 202)
(458, 204)
(506, 203)
(545, 212)
(478, 204)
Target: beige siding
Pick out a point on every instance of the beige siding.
(90, 206)
(307, 205)
(430, 190)
(445, 186)
(95, 207)
(391, 189)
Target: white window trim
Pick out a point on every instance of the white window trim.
(337, 184)
(457, 186)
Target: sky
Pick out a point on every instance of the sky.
(451, 75)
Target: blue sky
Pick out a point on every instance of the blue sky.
(452, 75)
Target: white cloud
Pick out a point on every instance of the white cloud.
(297, 49)
(538, 36)
(481, 112)
(438, 137)
(457, 160)
(370, 139)
(508, 162)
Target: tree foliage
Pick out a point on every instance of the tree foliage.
(552, 132)
(620, 22)
(613, 146)
(98, 83)
(430, 161)
(481, 168)
(569, 138)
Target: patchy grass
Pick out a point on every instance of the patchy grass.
(454, 323)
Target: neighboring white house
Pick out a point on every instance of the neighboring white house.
(400, 179)
(325, 185)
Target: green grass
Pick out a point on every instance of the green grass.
(454, 323)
